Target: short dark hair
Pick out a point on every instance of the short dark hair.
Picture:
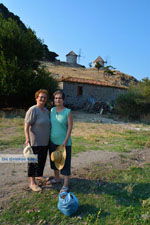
(59, 92)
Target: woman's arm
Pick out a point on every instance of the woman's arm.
(26, 132)
(70, 125)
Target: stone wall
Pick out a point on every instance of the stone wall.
(71, 59)
(100, 93)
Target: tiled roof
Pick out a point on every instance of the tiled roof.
(98, 59)
(71, 53)
(89, 81)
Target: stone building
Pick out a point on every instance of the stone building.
(98, 60)
(71, 57)
(78, 90)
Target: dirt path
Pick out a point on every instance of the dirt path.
(14, 176)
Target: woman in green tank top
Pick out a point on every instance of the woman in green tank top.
(61, 127)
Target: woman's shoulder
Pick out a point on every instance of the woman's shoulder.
(46, 109)
(53, 109)
(31, 113)
(32, 108)
(67, 110)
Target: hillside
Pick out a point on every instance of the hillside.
(5, 13)
(118, 78)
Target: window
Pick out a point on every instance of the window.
(79, 90)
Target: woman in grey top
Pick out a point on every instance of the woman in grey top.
(37, 129)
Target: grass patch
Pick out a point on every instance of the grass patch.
(80, 144)
(13, 142)
(123, 199)
(110, 137)
(85, 136)
(11, 133)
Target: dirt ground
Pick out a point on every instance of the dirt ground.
(13, 176)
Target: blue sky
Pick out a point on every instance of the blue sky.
(116, 30)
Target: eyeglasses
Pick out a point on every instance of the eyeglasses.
(43, 97)
(58, 98)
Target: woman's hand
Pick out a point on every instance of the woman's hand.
(64, 143)
(27, 142)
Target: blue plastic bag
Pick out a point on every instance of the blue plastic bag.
(67, 203)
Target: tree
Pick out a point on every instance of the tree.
(47, 55)
(108, 70)
(98, 66)
(20, 75)
(144, 88)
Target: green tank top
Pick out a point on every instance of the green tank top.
(59, 126)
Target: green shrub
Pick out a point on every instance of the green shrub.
(136, 102)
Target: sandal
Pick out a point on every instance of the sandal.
(55, 181)
(42, 181)
(48, 181)
(64, 189)
(35, 187)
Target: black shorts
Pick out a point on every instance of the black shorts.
(67, 167)
(36, 169)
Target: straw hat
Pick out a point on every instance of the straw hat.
(59, 157)
(27, 151)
